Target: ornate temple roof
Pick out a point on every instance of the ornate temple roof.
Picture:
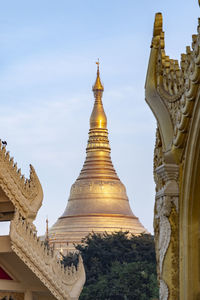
(17, 192)
(172, 91)
(31, 264)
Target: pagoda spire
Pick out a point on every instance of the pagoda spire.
(98, 162)
(98, 117)
(98, 201)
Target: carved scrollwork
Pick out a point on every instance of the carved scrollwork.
(164, 293)
(163, 210)
(96, 187)
(172, 92)
(25, 194)
(64, 283)
(158, 160)
(166, 222)
(177, 85)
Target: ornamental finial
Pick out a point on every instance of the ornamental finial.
(158, 23)
(98, 85)
(97, 62)
(98, 117)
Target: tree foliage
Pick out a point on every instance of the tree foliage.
(118, 266)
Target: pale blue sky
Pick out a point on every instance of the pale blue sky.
(48, 51)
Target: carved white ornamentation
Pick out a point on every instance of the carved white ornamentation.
(163, 207)
(25, 194)
(165, 197)
(163, 292)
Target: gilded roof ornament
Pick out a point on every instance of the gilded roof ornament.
(98, 85)
(173, 85)
(98, 117)
(158, 24)
(158, 34)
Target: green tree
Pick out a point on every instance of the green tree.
(118, 266)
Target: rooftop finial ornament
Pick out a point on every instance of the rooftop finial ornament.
(98, 85)
(98, 63)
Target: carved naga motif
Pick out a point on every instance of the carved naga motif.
(25, 194)
(166, 227)
(172, 92)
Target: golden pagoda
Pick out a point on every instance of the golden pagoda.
(98, 201)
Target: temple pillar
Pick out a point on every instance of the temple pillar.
(166, 230)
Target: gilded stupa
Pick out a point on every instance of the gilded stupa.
(98, 201)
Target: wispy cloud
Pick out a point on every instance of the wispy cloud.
(47, 70)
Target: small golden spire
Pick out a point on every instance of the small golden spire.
(98, 117)
(98, 85)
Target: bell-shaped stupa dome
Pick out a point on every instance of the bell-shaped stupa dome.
(98, 201)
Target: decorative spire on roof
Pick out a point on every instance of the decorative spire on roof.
(98, 117)
(98, 85)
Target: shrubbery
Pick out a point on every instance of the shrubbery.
(118, 266)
